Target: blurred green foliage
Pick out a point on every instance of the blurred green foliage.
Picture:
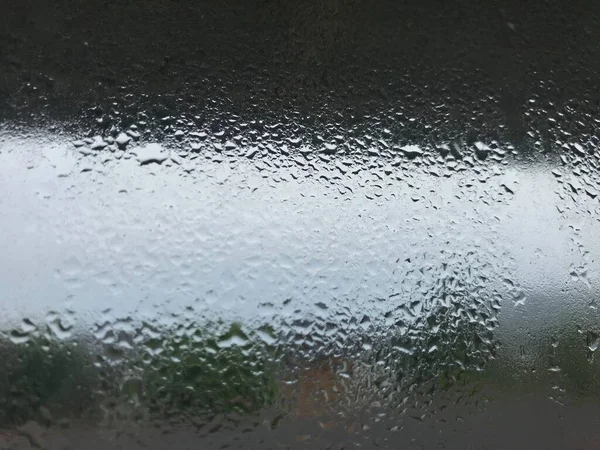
(42, 379)
(555, 362)
(204, 372)
(220, 369)
(197, 372)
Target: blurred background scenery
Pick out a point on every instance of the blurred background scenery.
(321, 224)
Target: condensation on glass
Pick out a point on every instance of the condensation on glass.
(266, 225)
(254, 286)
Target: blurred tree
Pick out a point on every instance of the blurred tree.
(204, 373)
(44, 380)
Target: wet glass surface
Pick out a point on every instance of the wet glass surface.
(269, 225)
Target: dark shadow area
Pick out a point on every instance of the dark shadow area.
(424, 69)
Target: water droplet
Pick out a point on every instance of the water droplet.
(122, 139)
(150, 153)
(592, 341)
